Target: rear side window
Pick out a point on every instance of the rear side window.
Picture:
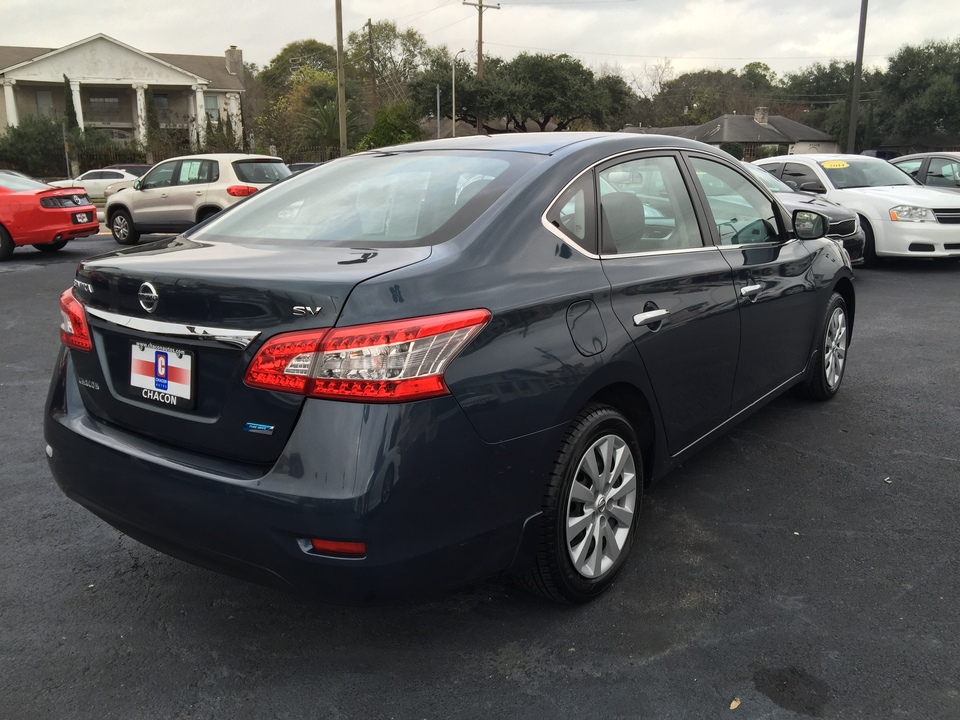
(260, 171)
(377, 200)
(574, 213)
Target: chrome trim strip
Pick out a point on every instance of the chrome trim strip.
(240, 338)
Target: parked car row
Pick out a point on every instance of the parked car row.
(900, 217)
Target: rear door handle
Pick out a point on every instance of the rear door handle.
(750, 290)
(649, 318)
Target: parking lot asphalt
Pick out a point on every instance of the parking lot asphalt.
(805, 565)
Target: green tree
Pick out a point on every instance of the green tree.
(395, 56)
(395, 124)
(920, 92)
(70, 112)
(34, 147)
(554, 89)
(278, 76)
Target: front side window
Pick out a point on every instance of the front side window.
(160, 176)
(741, 212)
(377, 200)
(645, 207)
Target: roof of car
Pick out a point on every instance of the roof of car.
(921, 155)
(225, 157)
(818, 157)
(545, 143)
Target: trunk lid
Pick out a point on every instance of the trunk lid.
(175, 325)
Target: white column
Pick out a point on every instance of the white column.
(10, 102)
(141, 111)
(75, 89)
(233, 116)
(201, 115)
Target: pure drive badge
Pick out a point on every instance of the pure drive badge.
(258, 428)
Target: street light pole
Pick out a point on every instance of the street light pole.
(341, 82)
(453, 93)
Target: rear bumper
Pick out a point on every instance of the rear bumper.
(55, 230)
(436, 506)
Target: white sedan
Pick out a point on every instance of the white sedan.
(900, 217)
(95, 181)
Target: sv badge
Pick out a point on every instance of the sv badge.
(301, 310)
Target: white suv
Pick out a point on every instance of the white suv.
(178, 193)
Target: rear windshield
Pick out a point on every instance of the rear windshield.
(260, 171)
(19, 182)
(375, 200)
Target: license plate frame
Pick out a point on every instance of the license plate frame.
(162, 375)
(82, 218)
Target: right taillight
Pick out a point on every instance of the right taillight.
(74, 332)
(241, 190)
(393, 361)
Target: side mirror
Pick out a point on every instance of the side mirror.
(791, 184)
(136, 184)
(809, 225)
(813, 187)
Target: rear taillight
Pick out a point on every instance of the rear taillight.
(241, 190)
(74, 332)
(383, 362)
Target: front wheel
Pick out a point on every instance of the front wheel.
(870, 258)
(51, 247)
(825, 376)
(122, 228)
(6, 244)
(590, 509)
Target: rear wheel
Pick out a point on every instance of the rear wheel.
(6, 244)
(590, 509)
(51, 247)
(208, 213)
(122, 228)
(825, 376)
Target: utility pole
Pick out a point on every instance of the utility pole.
(374, 96)
(857, 72)
(453, 94)
(341, 82)
(480, 8)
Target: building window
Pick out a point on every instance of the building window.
(212, 106)
(104, 107)
(45, 103)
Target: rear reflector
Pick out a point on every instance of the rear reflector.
(339, 547)
(392, 361)
(241, 190)
(74, 332)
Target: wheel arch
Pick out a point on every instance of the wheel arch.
(114, 209)
(844, 286)
(204, 211)
(632, 403)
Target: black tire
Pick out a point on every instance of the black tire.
(829, 363)
(208, 213)
(51, 247)
(121, 226)
(6, 244)
(870, 258)
(615, 509)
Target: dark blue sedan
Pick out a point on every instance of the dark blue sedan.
(423, 365)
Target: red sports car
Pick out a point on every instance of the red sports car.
(33, 213)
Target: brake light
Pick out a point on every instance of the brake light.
(392, 361)
(241, 190)
(338, 547)
(74, 332)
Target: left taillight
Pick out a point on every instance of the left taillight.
(393, 361)
(74, 332)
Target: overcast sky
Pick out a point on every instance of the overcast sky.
(628, 35)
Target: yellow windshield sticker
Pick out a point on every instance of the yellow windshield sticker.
(834, 164)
